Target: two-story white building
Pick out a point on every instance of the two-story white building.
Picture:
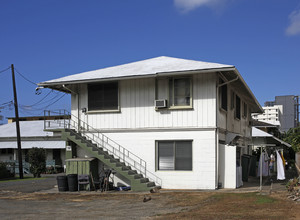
(183, 122)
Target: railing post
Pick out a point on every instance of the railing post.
(102, 141)
(124, 154)
(44, 119)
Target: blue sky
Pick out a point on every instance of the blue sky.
(54, 38)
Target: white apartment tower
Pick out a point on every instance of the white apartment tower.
(271, 115)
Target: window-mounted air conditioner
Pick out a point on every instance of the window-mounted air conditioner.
(161, 103)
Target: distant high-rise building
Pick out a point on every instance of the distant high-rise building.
(271, 115)
(290, 111)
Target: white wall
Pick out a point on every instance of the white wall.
(227, 166)
(203, 174)
(137, 106)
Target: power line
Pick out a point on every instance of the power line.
(42, 103)
(39, 100)
(10, 102)
(56, 100)
(42, 108)
(28, 80)
(4, 70)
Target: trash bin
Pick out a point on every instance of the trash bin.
(73, 182)
(62, 183)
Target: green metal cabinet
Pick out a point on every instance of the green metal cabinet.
(82, 166)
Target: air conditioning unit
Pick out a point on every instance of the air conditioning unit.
(161, 103)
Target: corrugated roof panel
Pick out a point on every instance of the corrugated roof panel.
(31, 144)
(27, 129)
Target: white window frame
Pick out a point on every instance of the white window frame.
(168, 95)
(174, 151)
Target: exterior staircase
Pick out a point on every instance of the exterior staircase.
(106, 150)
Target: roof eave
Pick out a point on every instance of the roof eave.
(259, 109)
(52, 84)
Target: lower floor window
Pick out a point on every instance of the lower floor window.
(174, 155)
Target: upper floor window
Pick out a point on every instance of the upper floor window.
(237, 107)
(223, 95)
(103, 96)
(232, 100)
(177, 91)
(245, 111)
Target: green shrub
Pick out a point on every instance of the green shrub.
(4, 171)
(37, 160)
(293, 138)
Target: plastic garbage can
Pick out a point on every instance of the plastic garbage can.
(62, 183)
(73, 182)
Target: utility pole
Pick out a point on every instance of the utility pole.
(17, 123)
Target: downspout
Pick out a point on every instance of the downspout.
(77, 95)
(217, 137)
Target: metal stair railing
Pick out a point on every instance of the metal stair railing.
(98, 138)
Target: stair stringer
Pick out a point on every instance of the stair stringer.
(137, 182)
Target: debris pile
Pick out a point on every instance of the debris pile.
(293, 186)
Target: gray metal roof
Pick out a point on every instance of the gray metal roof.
(31, 144)
(144, 68)
(27, 129)
(32, 135)
(257, 133)
(155, 67)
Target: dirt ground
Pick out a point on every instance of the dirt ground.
(219, 204)
(164, 205)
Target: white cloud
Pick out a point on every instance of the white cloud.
(189, 5)
(294, 27)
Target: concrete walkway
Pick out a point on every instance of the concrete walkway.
(48, 181)
(48, 184)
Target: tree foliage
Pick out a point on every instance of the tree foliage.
(37, 160)
(293, 138)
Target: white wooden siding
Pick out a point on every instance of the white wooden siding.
(227, 120)
(137, 106)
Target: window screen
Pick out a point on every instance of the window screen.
(174, 155)
(166, 156)
(245, 110)
(183, 159)
(238, 107)
(223, 95)
(103, 96)
(180, 92)
(232, 100)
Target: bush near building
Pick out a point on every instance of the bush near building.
(5, 172)
(37, 160)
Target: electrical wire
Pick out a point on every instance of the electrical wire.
(28, 80)
(28, 108)
(10, 102)
(56, 100)
(39, 100)
(41, 103)
(4, 70)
